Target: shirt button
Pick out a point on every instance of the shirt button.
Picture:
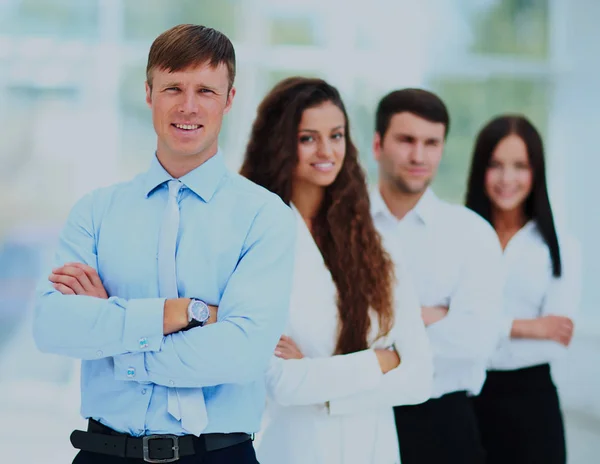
(130, 372)
(143, 343)
(99, 353)
(144, 391)
(171, 383)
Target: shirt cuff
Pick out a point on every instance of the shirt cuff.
(144, 319)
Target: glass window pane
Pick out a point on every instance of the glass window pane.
(292, 31)
(515, 27)
(361, 104)
(56, 18)
(137, 139)
(146, 19)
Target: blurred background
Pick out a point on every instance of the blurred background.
(73, 118)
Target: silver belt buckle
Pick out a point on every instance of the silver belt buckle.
(146, 448)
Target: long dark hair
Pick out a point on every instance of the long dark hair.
(537, 204)
(343, 228)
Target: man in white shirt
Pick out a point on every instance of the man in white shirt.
(455, 260)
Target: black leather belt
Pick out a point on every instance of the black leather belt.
(151, 448)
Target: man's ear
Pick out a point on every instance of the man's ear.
(148, 95)
(230, 97)
(377, 142)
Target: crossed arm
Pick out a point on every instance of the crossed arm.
(363, 380)
(548, 335)
(237, 349)
(81, 279)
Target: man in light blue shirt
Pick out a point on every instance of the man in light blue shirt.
(143, 264)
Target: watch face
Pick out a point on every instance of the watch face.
(200, 311)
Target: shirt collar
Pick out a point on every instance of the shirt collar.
(426, 206)
(378, 206)
(424, 209)
(203, 180)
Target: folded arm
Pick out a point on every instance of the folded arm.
(87, 327)
(363, 380)
(472, 328)
(319, 380)
(548, 336)
(252, 314)
(410, 382)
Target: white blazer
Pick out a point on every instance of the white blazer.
(326, 409)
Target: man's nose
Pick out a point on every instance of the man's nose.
(417, 154)
(189, 103)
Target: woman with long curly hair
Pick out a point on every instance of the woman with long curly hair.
(355, 345)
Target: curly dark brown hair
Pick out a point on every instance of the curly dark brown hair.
(343, 228)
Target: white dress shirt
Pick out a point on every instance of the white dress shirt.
(531, 291)
(455, 260)
(357, 426)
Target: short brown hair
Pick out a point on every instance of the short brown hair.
(189, 45)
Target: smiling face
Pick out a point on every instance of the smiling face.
(509, 177)
(321, 145)
(187, 110)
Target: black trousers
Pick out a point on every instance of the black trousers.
(237, 454)
(520, 418)
(439, 431)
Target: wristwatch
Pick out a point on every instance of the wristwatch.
(198, 312)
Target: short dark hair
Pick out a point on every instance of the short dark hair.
(190, 45)
(419, 102)
(537, 204)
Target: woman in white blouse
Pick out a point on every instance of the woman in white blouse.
(518, 409)
(355, 345)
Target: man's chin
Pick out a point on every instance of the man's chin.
(412, 188)
(191, 152)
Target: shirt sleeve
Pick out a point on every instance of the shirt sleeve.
(473, 326)
(86, 327)
(562, 299)
(252, 315)
(411, 382)
(296, 382)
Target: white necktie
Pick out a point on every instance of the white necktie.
(184, 404)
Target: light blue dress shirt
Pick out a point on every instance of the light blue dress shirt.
(235, 249)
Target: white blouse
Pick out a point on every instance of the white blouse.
(326, 409)
(531, 291)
